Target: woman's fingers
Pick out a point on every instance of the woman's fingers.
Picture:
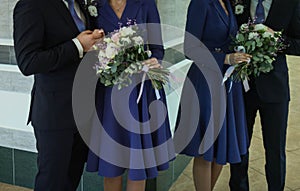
(241, 57)
(152, 63)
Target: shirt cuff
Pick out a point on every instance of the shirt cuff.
(79, 47)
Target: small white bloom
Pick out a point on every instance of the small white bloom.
(267, 34)
(138, 40)
(111, 51)
(101, 54)
(125, 40)
(126, 31)
(107, 40)
(252, 35)
(260, 27)
(244, 27)
(115, 38)
(239, 9)
(93, 11)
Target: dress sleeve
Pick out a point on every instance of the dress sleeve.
(196, 18)
(154, 36)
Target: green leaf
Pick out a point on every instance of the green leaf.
(114, 68)
(240, 37)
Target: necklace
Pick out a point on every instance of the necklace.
(118, 5)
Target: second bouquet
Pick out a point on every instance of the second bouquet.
(262, 44)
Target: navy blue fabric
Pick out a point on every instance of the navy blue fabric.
(142, 11)
(79, 23)
(208, 21)
(259, 12)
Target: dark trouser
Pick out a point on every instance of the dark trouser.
(61, 158)
(274, 124)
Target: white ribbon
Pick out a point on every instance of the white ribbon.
(230, 70)
(228, 73)
(240, 49)
(246, 85)
(145, 69)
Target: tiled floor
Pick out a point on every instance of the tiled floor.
(256, 171)
(6, 187)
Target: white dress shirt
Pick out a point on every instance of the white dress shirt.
(82, 17)
(266, 3)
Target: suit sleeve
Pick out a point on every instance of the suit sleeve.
(293, 35)
(154, 31)
(29, 37)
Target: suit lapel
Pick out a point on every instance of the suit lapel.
(221, 12)
(83, 9)
(63, 10)
(273, 10)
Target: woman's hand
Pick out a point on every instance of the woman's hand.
(236, 58)
(152, 63)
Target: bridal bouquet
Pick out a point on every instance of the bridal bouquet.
(263, 45)
(121, 55)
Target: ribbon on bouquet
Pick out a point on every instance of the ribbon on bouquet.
(227, 74)
(230, 70)
(145, 69)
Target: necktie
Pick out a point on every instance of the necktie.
(79, 23)
(260, 12)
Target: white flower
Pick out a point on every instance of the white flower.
(138, 40)
(126, 31)
(239, 9)
(111, 51)
(260, 27)
(93, 11)
(252, 35)
(101, 54)
(107, 40)
(115, 38)
(244, 27)
(267, 34)
(125, 40)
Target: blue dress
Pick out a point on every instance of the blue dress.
(147, 148)
(209, 23)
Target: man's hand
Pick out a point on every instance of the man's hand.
(88, 38)
(270, 30)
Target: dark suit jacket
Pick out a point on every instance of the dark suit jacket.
(43, 33)
(283, 16)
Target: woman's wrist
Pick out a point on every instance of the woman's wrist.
(227, 59)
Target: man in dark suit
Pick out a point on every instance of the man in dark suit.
(269, 93)
(50, 38)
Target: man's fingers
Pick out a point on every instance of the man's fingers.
(98, 33)
(87, 32)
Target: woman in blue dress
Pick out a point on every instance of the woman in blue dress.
(213, 23)
(152, 142)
